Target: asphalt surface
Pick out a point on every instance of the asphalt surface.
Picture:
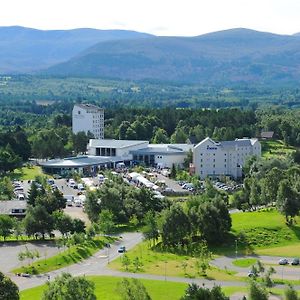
(9, 253)
(287, 272)
(96, 264)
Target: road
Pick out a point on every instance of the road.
(9, 253)
(287, 272)
(96, 264)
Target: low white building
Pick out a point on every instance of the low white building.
(88, 118)
(115, 148)
(226, 158)
(161, 155)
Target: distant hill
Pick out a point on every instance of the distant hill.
(26, 49)
(230, 56)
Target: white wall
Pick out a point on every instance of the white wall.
(166, 161)
(212, 158)
(88, 120)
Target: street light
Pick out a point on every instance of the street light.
(236, 250)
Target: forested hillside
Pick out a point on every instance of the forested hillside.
(26, 49)
(225, 57)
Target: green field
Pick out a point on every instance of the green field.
(165, 263)
(264, 229)
(27, 173)
(275, 148)
(67, 257)
(106, 289)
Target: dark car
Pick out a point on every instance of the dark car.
(295, 262)
(122, 249)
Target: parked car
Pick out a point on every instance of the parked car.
(21, 197)
(122, 249)
(50, 181)
(251, 274)
(295, 262)
(80, 187)
(283, 261)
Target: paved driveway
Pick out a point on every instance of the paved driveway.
(9, 253)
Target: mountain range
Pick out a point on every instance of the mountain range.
(26, 49)
(224, 57)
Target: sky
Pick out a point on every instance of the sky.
(159, 17)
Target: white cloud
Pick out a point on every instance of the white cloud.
(162, 17)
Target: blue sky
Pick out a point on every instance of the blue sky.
(160, 17)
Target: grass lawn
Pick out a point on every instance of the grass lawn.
(275, 148)
(27, 173)
(165, 263)
(106, 289)
(65, 258)
(244, 262)
(265, 230)
(289, 251)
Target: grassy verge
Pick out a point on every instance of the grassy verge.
(165, 263)
(244, 262)
(67, 257)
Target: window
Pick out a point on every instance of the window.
(225, 159)
(201, 166)
(201, 160)
(79, 112)
(214, 166)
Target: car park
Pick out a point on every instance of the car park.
(295, 262)
(283, 261)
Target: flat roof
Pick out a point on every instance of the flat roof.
(165, 149)
(6, 207)
(80, 161)
(106, 143)
(88, 106)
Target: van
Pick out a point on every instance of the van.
(72, 183)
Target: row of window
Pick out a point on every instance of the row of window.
(225, 166)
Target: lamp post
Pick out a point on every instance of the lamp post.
(165, 270)
(236, 250)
